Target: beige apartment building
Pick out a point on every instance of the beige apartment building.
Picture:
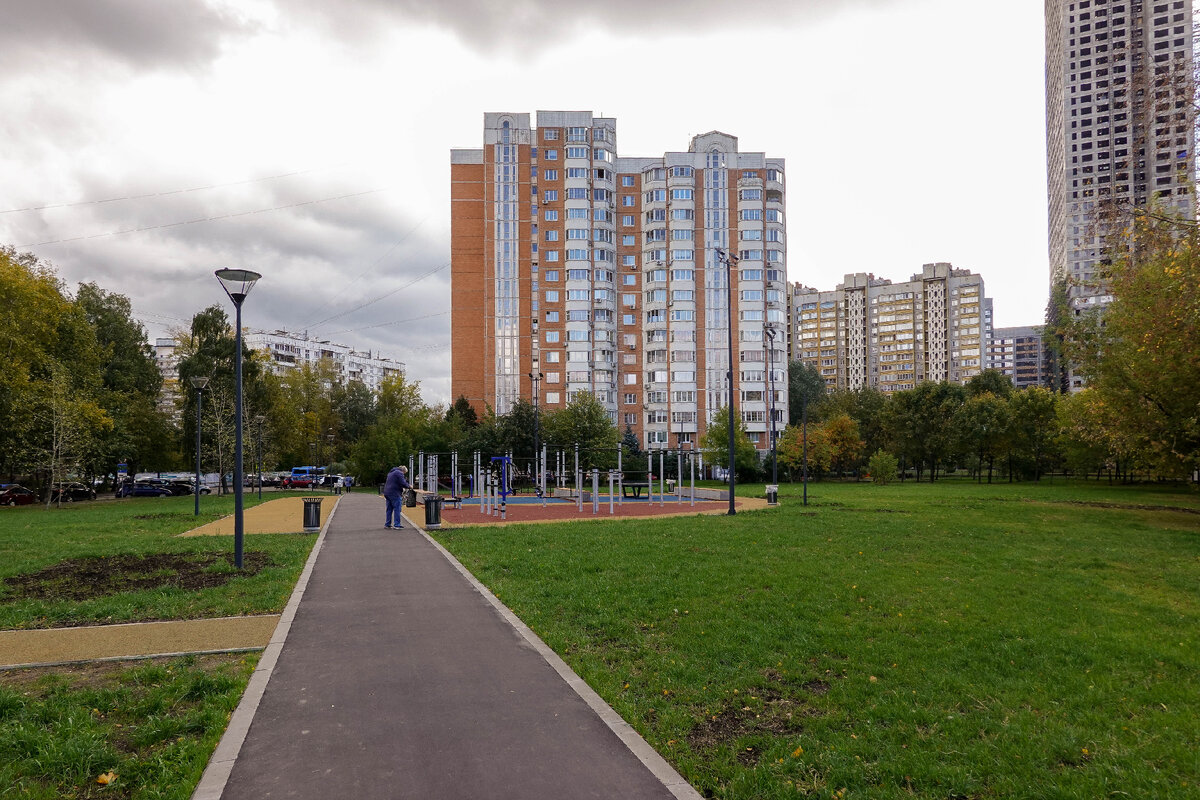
(574, 268)
(870, 332)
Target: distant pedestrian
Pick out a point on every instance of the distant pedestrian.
(348, 482)
(393, 493)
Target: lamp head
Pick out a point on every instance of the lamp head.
(199, 382)
(237, 283)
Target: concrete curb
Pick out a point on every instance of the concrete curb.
(220, 765)
(657, 765)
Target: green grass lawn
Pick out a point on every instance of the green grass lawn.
(938, 641)
(106, 572)
(153, 724)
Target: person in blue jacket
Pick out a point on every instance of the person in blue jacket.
(393, 492)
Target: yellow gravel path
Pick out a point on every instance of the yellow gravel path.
(285, 515)
(134, 640)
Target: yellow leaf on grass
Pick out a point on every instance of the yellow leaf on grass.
(106, 778)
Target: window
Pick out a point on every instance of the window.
(551, 296)
(681, 194)
(577, 152)
(551, 356)
(683, 255)
(550, 155)
(751, 294)
(550, 174)
(773, 215)
(577, 134)
(750, 255)
(627, 219)
(681, 235)
(681, 172)
(683, 213)
(629, 300)
(756, 234)
(750, 194)
(550, 275)
(682, 275)
(551, 337)
(551, 316)
(577, 193)
(752, 274)
(550, 195)
(628, 201)
(600, 154)
(552, 397)
(577, 233)
(577, 172)
(627, 180)
(577, 213)
(577, 255)
(549, 134)
(577, 336)
(752, 214)
(551, 215)
(682, 315)
(577, 275)
(551, 236)
(656, 196)
(683, 294)
(600, 194)
(578, 294)
(550, 255)
(629, 240)
(629, 261)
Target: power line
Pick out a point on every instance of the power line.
(393, 322)
(370, 267)
(377, 299)
(201, 219)
(162, 194)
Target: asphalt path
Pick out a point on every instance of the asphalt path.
(399, 678)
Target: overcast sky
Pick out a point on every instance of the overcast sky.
(147, 143)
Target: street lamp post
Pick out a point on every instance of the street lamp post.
(537, 428)
(771, 391)
(198, 382)
(730, 261)
(258, 423)
(237, 283)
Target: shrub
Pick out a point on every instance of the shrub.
(883, 467)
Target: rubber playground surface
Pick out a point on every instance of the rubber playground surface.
(525, 508)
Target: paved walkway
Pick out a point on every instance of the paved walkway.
(398, 676)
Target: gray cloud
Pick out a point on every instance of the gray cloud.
(138, 33)
(520, 26)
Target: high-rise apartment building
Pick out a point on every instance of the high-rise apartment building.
(1119, 130)
(601, 273)
(870, 332)
(1020, 354)
(286, 351)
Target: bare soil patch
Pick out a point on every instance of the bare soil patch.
(87, 578)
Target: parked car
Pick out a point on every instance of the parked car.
(186, 487)
(69, 492)
(298, 482)
(143, 489)
(12, 494)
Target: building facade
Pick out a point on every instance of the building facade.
(576, 269)
(870, 332)
(287, 351)
(1119, 132)
(1020, 354)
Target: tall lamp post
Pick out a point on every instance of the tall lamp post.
(198, 382)
(730, 261)
(237, 283)
(770, 332)
(258, 423)
(537, 429)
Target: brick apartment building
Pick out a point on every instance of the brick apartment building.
(602, 273)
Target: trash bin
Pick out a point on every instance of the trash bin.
(433, 512)
(670, 486)
(772, 494)
(410, 498)
(312, 514)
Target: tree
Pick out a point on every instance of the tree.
(70, 422)
(990, 380)
(883, 467)
(715, 444)
(984, 424)
(840, 436)
(805, 386)
(463, 412)
(920, 424)
(585, 421)
(866, 406)
(1139, 354)
(1034, 426)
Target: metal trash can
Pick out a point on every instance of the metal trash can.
(410, 498)
(772, 494)
(312, 514)
(433, 512)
